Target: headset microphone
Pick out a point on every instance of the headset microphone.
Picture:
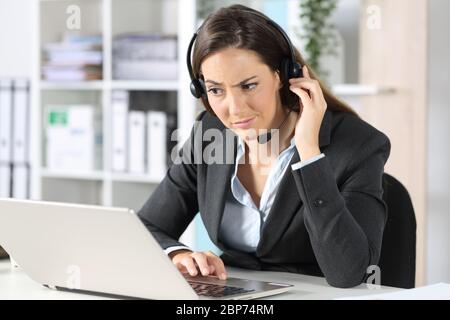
(266, 137)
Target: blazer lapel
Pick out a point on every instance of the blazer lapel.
(287, 200)
(218, 183)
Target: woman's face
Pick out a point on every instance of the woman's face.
(241, 87)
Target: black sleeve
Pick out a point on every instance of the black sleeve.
(346, 224)
(174, 203)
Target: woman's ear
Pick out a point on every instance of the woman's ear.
(278, 78)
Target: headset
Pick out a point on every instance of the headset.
(289, 68)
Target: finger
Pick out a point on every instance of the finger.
(188, 262)
(181, 267)
(306, 72)
(219, 267)
(312, 83)
(313, 87)
(202, 263)
(304, 96)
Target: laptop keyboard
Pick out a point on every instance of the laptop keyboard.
(216, 290)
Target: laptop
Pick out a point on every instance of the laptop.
(106, 251)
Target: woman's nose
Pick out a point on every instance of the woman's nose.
(235, 104)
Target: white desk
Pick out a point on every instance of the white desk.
(15, 284)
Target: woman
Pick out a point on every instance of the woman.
(313, 205)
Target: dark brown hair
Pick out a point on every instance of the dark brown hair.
(240, 27)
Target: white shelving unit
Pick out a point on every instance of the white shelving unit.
(108, 18)
(357, 90)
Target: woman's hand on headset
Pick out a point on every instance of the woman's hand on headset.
(311, 115)
(207, 263)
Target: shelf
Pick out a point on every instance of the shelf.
(360, 90)
(137, 178)
(69, 85)
(93, 175)
(99, 175)
(155, 85)
(163, 85)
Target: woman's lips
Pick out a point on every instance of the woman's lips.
(244, 125)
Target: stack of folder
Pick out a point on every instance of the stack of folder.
(14, 138)
(139, 140)
(76, 58)
(138, 56)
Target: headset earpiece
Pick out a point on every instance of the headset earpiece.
(296, 71)
(198, 88)
(289, 70)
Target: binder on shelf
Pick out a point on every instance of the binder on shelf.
(136, 142)
(5, 180)
(20, 122)
(156, 144)
(119, 112)
(21, 176)
(71, 132)
(6, 120)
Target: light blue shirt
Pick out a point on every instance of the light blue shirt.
(242, 220)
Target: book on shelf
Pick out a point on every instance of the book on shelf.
(73, 73)
(145, 46)
(76, 58)
(145, 70)
(141, 56)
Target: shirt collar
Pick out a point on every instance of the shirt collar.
(241, 146)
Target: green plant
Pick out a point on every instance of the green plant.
(317, 31)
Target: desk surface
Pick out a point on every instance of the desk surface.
(15, 284)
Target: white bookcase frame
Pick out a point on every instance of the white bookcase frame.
(104, 180)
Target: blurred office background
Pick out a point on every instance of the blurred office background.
(84, 84)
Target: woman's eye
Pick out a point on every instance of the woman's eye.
(214, 90)
(249, 86)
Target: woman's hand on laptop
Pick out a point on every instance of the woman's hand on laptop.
(206, 262)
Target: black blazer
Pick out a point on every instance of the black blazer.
(327, 218)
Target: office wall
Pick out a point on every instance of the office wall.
(438, 268)
(346, 19)
(15, 38)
